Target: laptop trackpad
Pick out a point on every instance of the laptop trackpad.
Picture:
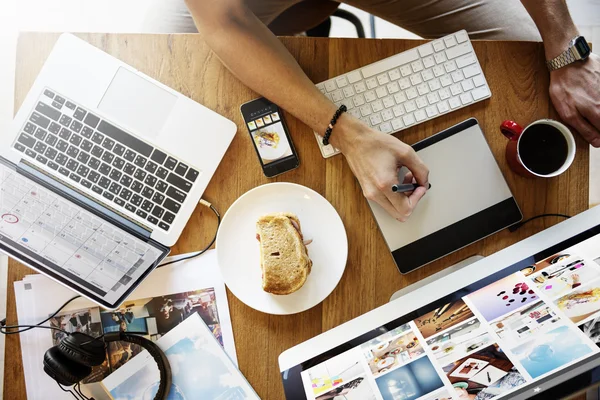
(137, 103)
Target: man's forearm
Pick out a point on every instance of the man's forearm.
(554, 23)
(252, 53)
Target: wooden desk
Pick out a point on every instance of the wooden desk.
(519, 83)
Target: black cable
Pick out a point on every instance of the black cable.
(3, 326)
(69, 391)
(201, 251)
(515, 227)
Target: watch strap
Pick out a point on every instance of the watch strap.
(563, 59)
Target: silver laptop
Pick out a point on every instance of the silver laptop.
(117, 141)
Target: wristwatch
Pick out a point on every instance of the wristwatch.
(578, 50)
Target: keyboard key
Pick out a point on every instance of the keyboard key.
(63, 171)
(27, 140)
(39, 120)
(443, 107)
(471, 71)
(97, 189)
(400, 98)
(181, 169)
(158, 156)
(348, 91)
(52, 165)
(411, 93)
(72, 151)
(125, 138)
(171, 205)
(446, 80)
(425, 50)
(76, 126)
(94, 176)
(360, 88)
(48, 93)
(386, 127)
(74, 177)
(125, 194)
(56, 105)
(139, 174)
(480, 93)
(65, 134)
(94, 163)
(388, 102)
(163, 226)
(61, 159)
(97, 138)
(433, 98)
(72, 165)
(158, 211)
(397, 124)
(48, 111)
(59, 99)
(381, 92)
(147, 206)
(83, 170)
(358, 100)
(354, 77)
(87, 132)
(337, 95)
(150, 180)
(410, 106)
(108, 195)
(62, 145)
(137, 200)
(108, 157)
(467, 85)
(51, 153)
(416, 79)
(104, 169)
(461, 36)
(118, 163)
(129, 169)
(465, 60)
(393, 87)
(454, 102)
(176, 194)
(404, 83)
(450, 41)
(458, 50)
(377, 106)
(137, 186)
(65, 120)
(162, 186)
(428, 62)
(383, 79)
(71, 106)
(119, 149)
(330, 86)
(54, 128)
(456, 89)
(431, 111)
(40, 147)
(108, 143)
(370, 96)
(86, 145)
(387, 115)
(91, 120)
(371, 83)
(152, 219)
(417, 66)
(394, 74)
(158, 198)
(79, 114)
(126, 180)
(115, 188)
(41, 159)
(398, 110)
(421, 102)
(341, 81)
(450, 66)
(75, 139)
(427, 75)
(478, 80)
(408, 119)
(147, 192)
(140, 161)
(130, 208)
(141, 213)
(434, 85)
(120, 201)
(420, 115)
(375, 119)
(423, 88)
(51, 140)
(115, 174)
(19, 147)
(129, 155)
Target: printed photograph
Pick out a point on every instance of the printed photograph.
(484, 374)
(85, 321)
(443, 318)
(393, 353)
(275, 116)
(551, 351)
(562, 277)
(200, 370)
(438, 395)
(519, 326)
(343, 375)
(582, 303)
(503, 297)
(386, 337)
(410, 381)
(459, 341)
(592, 330)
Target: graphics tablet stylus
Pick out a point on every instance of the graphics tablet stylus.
(407, 187)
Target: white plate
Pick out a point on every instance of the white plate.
(239, 255)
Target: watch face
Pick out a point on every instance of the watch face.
(582, 47)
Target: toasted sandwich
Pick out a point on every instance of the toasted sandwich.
(283, 255)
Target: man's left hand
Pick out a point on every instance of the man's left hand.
(575, 93)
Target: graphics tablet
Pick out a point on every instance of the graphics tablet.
(469, 199)
(516, 324)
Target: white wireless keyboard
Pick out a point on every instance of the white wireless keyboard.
(411, 87)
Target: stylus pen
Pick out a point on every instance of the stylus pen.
(407, 187)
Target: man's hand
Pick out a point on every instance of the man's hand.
(575, 92)
(375, 159)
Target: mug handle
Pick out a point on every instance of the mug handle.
(511, 129)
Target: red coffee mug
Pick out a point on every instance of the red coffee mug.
(514, 132)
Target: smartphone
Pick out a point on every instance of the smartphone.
(270, 137)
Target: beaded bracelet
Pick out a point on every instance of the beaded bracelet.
(332, 123)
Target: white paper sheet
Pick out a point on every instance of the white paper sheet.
(37, 297)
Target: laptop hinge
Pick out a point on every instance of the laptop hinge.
(88, 203)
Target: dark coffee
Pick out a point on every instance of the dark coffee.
(543, 149)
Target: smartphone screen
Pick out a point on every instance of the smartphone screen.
(270, 137)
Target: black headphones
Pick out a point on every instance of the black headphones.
(72, 359)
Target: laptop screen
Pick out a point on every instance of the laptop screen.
(513, 331)
(74, 246)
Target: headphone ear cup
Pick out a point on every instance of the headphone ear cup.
(63, 370)
(91, 354)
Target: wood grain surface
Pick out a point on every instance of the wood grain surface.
(519, 83)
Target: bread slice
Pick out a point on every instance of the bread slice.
(284, 258)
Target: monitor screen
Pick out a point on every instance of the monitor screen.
(69, 243)
(507, 333)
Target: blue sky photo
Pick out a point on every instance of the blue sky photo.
(198, 373)
(551, 351)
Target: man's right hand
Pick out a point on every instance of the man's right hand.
(375, 159)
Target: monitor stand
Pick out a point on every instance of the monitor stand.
(436, 276)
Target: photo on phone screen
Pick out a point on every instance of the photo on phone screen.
(270, 137)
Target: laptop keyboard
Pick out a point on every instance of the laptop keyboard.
(95, 156)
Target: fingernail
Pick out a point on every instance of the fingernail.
(596, 142)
